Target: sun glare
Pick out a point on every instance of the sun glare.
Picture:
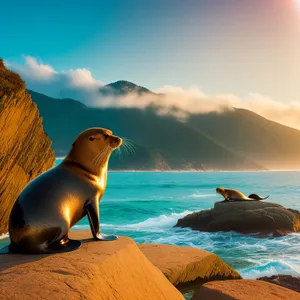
(297, 3)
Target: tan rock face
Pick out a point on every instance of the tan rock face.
(185, 265)
(245, 217)
(244, 290)
(24, 147)
(98, 270)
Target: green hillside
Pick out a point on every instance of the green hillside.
(162, 142)
(236, 139)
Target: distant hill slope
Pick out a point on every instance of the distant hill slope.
(162, 142)
(268, 143)
(236, 139)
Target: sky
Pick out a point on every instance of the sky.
(241, 48)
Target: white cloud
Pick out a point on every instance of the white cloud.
(81, 85)
(82, 78)
(181, 102)
(74, 83)
(33, 70)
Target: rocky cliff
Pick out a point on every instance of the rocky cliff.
(24, 147)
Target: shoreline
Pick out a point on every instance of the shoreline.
(194, 170)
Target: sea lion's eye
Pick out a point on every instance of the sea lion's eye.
(105, 135)
(91, 138)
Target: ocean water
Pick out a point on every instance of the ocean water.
(146, 205)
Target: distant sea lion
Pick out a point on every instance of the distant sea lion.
(234, 195)
(56, 200)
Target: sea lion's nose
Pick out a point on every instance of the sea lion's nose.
(117, 141)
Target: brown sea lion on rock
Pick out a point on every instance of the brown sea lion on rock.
(59, 198)
(234, 195)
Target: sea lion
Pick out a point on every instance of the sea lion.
(56, 200)
(234, 195)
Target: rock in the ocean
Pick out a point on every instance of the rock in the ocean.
(24, 147)
(243, 290)
(186, 265)
(244, 217)
(98, 270)
(287, 281)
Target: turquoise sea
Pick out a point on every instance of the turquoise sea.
(146, 205)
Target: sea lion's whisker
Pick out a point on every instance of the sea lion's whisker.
(97, 155)
(129, 150)
(101, 157)
(96, 159)
(129, 147)
(119, 153)
(123, 146)
(128, 141)
(129, 144)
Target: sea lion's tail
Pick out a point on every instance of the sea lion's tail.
(257, 197)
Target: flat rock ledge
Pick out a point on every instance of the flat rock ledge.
(244, 217)
(244, 290)
(185, 266)
(287, 281)
(98, 270)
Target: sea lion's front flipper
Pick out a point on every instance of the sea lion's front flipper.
(105, 237)
(93, 215)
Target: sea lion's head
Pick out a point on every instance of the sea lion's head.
(92, 149)
(222, 191)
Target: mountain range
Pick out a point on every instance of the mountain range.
(235, 139)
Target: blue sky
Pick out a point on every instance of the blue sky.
(221, 46)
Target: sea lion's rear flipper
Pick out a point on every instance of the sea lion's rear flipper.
(257, 197)
(93, 216)
(69, 246)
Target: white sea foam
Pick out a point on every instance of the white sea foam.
(3, 236)
(282, 266)
(201, 195)
(150, 225)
